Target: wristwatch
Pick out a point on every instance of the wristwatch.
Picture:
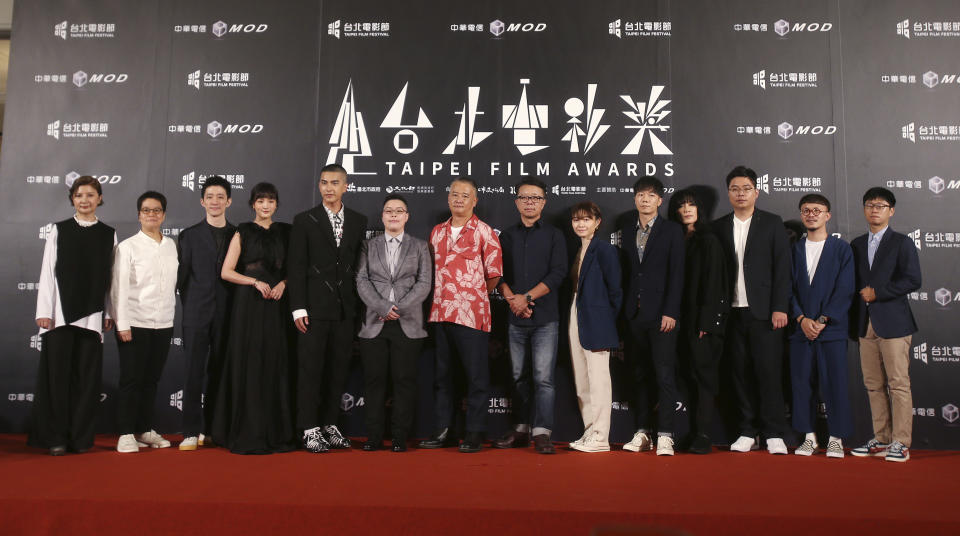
(529, 298)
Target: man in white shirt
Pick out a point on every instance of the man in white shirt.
(823, 290)
(143, 295)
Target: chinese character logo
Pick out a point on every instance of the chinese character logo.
(467, 135)
(525, 119)
(574, 109)
(334, 28)
(648, 117)
(406, 140)
(349, 136)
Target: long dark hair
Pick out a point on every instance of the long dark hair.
(681, 197)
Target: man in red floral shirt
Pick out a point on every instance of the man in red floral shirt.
(467, 265)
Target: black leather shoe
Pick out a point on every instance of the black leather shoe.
(399, 445)
(438, 440)
(58, 450)
(512, 439)
(542, 444)
(701, 445)
(371, 445)
(472, 443)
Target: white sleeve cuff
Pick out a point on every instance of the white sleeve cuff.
(299, 313)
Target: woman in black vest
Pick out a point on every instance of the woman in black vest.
(73, 288)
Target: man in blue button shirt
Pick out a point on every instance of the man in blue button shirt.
(534, 263)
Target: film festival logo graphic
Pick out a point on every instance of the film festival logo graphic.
(595, 130)
(85, 130)
(920, 352)
(467, 135)
(339, 29)
(406, 140)
(349, 137)
(928, 29)
(198, 79)
(928, 133)
(193, 180)
(648, 117)
(525, 119)
(100, 30)
(785, 80)
(620, 29)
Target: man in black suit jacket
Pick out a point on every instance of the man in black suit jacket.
(888, 269)
(653, 276)
(205, 301)
(321, 282)
(758, 257)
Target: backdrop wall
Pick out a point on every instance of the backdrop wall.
(817, 96)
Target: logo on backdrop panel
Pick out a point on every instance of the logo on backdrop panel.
(929, 79)
(786, 130)
(921, 29)
(936, 184)
(81, 78)
(950, 413)
(525, 119)
(915, 132)
(467, 134)
(498, 28)
(221, 29)
(339, 29)
(639, 28)
(648, 117)
(784, 28)
(574, 108)
(348, 140)
(88, 30)
(194, 181)
(785, 80)
(932, 353)
(214, 129)
(199, 79)
(406, 140)
(77, 130)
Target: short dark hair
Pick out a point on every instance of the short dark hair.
(586, 209)
(648, 182)
(467, 180)
(742, 171)
(86, 180)
(264, 190)
(333, 168)
(150, 194)
(215, 180)
(680, 198)
(878, 192)
(532, 182)
(816, 199)
(395, 197)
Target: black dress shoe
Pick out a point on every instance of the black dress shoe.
(543, 445)
(438, 440)
(399, 445)
(58, 450)
(512, 439)
(472, 443)
(701, 445)
(371, 445)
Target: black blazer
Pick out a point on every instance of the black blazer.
(766, 262)
(706, 286)
(894, 275)
(657, 282)
(203, 293)
(321, 277)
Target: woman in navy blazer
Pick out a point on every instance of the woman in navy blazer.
(596, 301)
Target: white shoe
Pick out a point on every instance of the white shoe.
(201, 439)
(744, 444)
(586, 435)
(153, 440)
(593, 444)
(834, 448)
(775, 445)
(189, 443)
(807, 448)
(127, 443)
(639, 443)
(664, 446)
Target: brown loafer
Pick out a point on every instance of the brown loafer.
(512, 439)
(542, 444)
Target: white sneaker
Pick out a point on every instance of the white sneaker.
(127, 443)
(639, 443)
(807, 448)
(744, 444)
(189, 443)
(201, 439)
(586, 435)
(775, 445)
(153, 440)
(593, 444)
(664, 446)
(835, 448)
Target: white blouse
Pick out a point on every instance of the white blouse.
(143, 291)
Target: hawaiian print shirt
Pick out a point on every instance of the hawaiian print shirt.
(461, 270)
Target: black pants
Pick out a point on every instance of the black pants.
(323, 362)
(141, 364)
(653, 361)
(755, 350)
(702, 356)
(203, 347)
(68, 389)
(472, 347)
(390, 349)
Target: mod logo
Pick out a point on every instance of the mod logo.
(782, 27)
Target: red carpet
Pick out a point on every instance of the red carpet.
(494, 492)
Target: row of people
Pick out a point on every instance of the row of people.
(688, 285)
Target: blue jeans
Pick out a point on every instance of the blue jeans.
(540, 342)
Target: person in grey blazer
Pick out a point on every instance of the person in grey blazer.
(393, 280)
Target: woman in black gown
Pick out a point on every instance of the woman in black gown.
(254, 410)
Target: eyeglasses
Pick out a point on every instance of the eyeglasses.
(736, 190)
(812, 212)
(875, 206)
(530, 198)
(391, 212)
(151, 211)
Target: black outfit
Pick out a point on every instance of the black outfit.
(321, 279)
(141, 365)
(205, 300)
(390, 350)
(755, 349)
(254, 413)
(705, 306)
(67, 392)
(654, 288)
(534, 255)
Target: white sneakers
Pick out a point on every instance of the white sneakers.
(189, 443)
(591, 443)
(807, 448)
(127, 443)
(744, 444)
(775, 445)
(664, 446)
(640, 442)
(153, 440)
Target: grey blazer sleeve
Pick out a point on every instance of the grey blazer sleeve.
(421, 289)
